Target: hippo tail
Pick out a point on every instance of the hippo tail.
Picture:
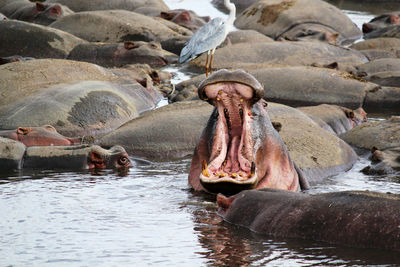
(304, 184)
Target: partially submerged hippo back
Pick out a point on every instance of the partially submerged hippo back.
(75, 157)
(239, 148)
(351, 218)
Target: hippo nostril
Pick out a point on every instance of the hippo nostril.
(241, 113)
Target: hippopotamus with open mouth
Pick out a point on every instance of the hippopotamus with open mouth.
(239, 147)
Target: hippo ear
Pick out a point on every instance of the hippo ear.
(394, 19)
(55, 10)
(206, 18)
(224, 202)
(23, 130)
(50, 128)
(40, 7)
(349, 114)
(166, 15)
(128, 45)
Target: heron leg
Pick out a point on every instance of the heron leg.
(208, 54)
(211, 60)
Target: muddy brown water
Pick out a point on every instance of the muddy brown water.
(148, 216)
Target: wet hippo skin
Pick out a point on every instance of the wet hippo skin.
(350, 218)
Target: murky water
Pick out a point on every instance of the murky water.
(147, 215)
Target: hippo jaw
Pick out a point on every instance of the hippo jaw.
(231, 165)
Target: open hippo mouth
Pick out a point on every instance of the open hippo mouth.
(232, 160)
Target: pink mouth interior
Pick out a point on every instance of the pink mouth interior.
(231, 154)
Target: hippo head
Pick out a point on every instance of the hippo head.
(115, 157)
(47, 13)
(239, 148)
(39, 136)
(381, 22)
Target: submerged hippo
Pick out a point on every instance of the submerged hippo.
(15, 155)
(76, 157)
(353, 218)
(239, 148)
(39, 136)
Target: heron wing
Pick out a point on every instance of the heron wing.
(206, 38)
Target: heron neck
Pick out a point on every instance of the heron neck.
(232, 12)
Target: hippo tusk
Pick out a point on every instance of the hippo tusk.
(204, 169)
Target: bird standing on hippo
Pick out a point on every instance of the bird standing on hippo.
(239, 147)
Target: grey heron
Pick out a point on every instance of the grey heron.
(208, 37)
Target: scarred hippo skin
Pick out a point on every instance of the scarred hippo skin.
(83, 108)
(39, 136)
(185, 18)
(75, 157)
(239, 148)
(378, 23)
(117, 55)
(40, 13)
(277, 18)
(334, 118)
(351, 218)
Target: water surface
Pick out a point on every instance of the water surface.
(148, 216)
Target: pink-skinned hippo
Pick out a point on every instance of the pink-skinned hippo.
(297, 19)
(46, 135)
(40, 13)
(15, 155)
(239, 148)
(119, 54)
(350, 218)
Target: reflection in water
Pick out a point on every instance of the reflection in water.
(147, 215)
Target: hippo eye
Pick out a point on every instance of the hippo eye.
(123, 161)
